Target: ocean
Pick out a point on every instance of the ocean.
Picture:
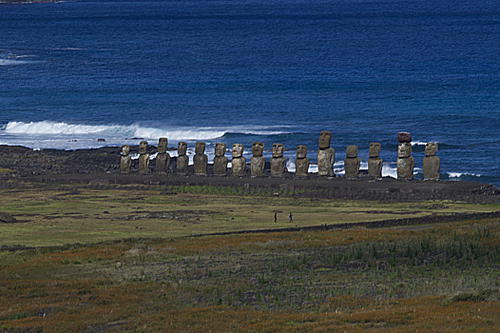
(74, 72)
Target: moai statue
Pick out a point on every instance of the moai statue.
(405, 161)
(375, 162)
(278, 162)
(220, 161)
(432, 163)
(301, 162)
(351, 162)
(239, 163)
(200, 160)
(257, 162)
(125, 159)
(162, 158)
(182, 159)
(143, 158)
(326, 155)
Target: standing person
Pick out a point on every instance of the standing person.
(275, 217)
(290, 217)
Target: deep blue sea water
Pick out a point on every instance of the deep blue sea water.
(272, 71)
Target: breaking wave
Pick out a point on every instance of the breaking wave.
(130, 131)
(12, 62)
(462, 174)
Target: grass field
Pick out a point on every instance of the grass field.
(123, 261)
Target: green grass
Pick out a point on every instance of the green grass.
(438, 278)
(73, 215)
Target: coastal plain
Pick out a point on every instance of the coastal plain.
(81, 258)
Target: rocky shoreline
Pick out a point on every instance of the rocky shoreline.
(99, 168)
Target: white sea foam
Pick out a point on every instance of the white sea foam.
(121, 132)
(48, 127)
(12, 62)
(418, 143)
(462, 174)
(389, 171)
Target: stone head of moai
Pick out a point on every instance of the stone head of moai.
(351, 151)
(431, 149)
(182, 148)
(257, 149)
(143, 147)
(278, 150)
(125, 150)
(162, 145)
(199, 148)
(375, 149)
(301, 151)
(404, 150)
(404, 137)
(220, 149)
(237, 150)
(325, 138)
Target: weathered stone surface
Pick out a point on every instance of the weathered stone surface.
(404, 150)
(405, 168)
(432, 167)
(431, 149)
(301, 162)
(239, 163)
(432, 163)
(257, 161)
(143, 147)
(125, 160)
(351, 151)
(375, 167)
(405, 162)
(162, 162)
(375, 149)
(182, 159)
(325, 138)
(326, 159)
(375, 163)
(143, 158)
(404, 137)
(162, 145)
(200, 160)
(220, 161)
(162, 158)
(352, 162)
(278, 162)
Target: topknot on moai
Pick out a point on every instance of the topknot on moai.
(352, 162)
(374, 161)
(220, 160)
(257, 161)
(200, 159)
(301, 162)
(125, 159)
(143, 158)
(182, 159)
(326, 155)
(278, 161)
(405, 162)
(432, 163)
(162, 158)
(238, 163)
(404, 137)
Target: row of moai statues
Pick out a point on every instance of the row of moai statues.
(406, 162)
(326, 159)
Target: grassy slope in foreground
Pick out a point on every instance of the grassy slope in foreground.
(78, 215)
(440, 278)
